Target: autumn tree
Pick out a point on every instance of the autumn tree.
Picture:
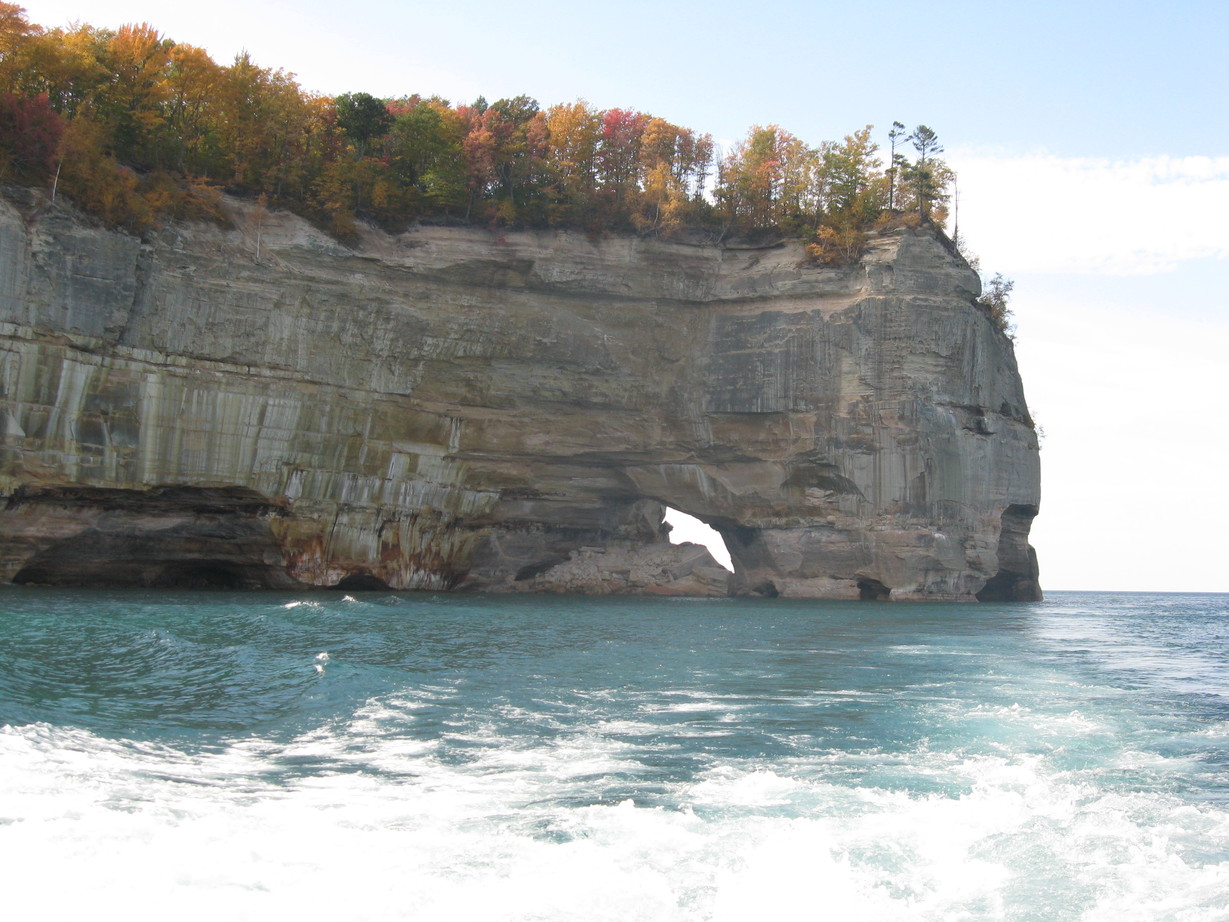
(192, 82)
(29, 138)
(846, 176)
(262, 118)
(619, 163)
(506, 149)
(573, 133)
(674, 164)
(15, 32)
(851, 195)
(695, 159)
(97, 182)
(994, 299)
(132, 102)
(362, 120)
(67, 66)
(425, 154)
(768, 180)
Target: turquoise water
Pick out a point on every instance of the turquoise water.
(383, 756)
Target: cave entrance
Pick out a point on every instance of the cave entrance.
(687, 529)
(871, 590)
(1016, 580)
(173, 537)
(362, 582)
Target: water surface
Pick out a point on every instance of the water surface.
(389, 756)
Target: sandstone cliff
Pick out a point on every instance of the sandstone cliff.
(456, 408)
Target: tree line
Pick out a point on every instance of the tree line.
(134, 127)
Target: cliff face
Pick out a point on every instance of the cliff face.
(454, 408)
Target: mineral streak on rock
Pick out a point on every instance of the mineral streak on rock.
(458, 408)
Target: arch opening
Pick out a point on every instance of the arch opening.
(687, 529)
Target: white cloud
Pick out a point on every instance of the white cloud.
(1042, 213)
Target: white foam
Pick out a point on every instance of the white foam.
(379, 825)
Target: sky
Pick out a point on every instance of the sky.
(1091, 140)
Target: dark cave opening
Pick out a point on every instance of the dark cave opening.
(872, 590)
(174, 537)
(362, 582)
(1017, 577)
(119, 573)
(198, 574)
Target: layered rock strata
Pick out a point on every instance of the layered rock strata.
(259, 405)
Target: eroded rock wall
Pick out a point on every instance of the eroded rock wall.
(458, 408)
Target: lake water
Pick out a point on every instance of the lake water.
(397, 756)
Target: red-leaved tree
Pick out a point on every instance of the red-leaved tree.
(30, 134)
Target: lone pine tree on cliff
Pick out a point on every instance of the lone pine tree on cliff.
(895, 161)
(926, 177)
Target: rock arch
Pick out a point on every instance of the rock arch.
(451, 409)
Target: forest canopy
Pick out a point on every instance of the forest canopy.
(135, 128)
